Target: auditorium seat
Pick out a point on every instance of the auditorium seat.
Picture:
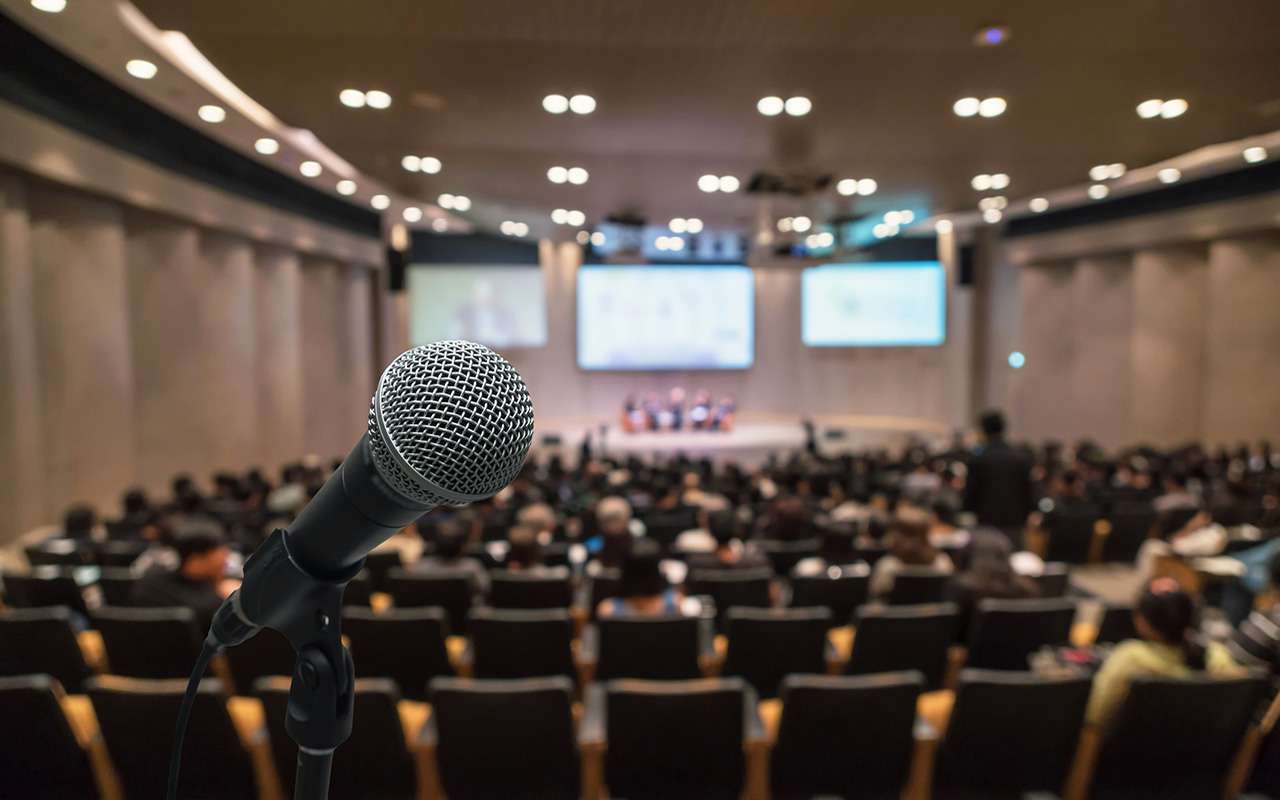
(149, 642)
(839, 589)
(674, 740)
(1009, 734)
(117, 585)
(137, 718)
(263, 655)
(379, 564)
(359, 590)
(767, 644)
(1131, 525)
(373, 764)
(511, 738)
(42, 640)
(664, 525)
(44, 586)
(450, 589)
(732, 587)
(556, 554)
(119, 554)
(1054, 580)
(1117, 624)
(59, 553)
(603, 585)
(1004, 633)
(870, 553)
(40, 756)
(845, 737)
(548, 588)
(1170, 522)
(650, 648)
(1175, 738)
(1070, 531)
(917, 585)
(406, 645)
(783, 556)
(510, 643)
(893, 639)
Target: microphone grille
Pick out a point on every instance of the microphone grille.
(451, 422)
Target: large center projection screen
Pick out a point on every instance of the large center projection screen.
(498, 306)
(634, 318)
(900, 304)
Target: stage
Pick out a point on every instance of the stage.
(753, 439)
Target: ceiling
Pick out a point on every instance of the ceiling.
(677, 83)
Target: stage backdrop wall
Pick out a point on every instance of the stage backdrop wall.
(920, 384)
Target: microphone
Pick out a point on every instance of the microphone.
(449, 424)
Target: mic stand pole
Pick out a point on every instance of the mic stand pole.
(279, 594)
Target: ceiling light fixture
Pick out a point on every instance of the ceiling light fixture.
(430, 165)
(693, 225)
(377, 99)
(999, 181)
(439, 224)
(560, 216)
(576, 218)
(411, 163)
(1098, 191)
(943, 227)
(1255, 154)
(412, 214)
(966, 106)
(346, 187)
(380, 202)
(980, 183)
(49, 6)
(867, 186)
(267, 146)
(1169, 175)
(1039, 205)
(582, 104)
(991, 36)
(461, 202)
(584, 238)
(555, 104)
(445, 201)
(992, 107)
(784, 224)
(847, 187)
(992, 215)
(141, 69)
(557, 174)
(770, 106)
(801, 224)
(798, 106)
(1165, 109)
(352, 98)
(598, 239)
(709, 183)
(677, 225)
(729, 184)
(212, 114)
(578, 176)
(310, 169)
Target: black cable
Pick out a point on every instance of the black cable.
(207, 652)
(312, 782)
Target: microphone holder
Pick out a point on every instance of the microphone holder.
(279, 594)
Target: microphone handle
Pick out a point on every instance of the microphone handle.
(354, 512)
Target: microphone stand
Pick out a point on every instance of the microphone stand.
(279, 594)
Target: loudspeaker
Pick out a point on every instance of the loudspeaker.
(966, 271)
(395, 270)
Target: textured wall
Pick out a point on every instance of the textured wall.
(1101, 328)
(278, 330)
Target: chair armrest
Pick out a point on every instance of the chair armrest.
(1080, 777)
(429, 736)
(591, 729)
(461, 655)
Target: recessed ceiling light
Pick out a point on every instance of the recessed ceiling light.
(980, 183)
(582, 104)
(380, 202)
(411, 163)
(141, 69)
(693, 225)
(907, 216)
(798, 106)
(892, 217)
(1098, 191)
(557, 174)
(445, 201)
(576, 218)
(992, 215)
(377, 99)
(412, 214)
(347, 187)
(310, 169)
(578, 176)
(597, 239)
(992, 107)
(991, 36)
(801, 224)
(461, 202)
(999, 181)
(267, 146)
(560, 216)
(728, 183)
(1173, 108)
(1115, 170)
(942, 227)
(584, 238)
(439, 224)
(675, 243)
(211, 113)
(1149, 109)
(352, 98)
(1099, 172)
(784, 224)
(1169, 175)
(1039, 205)
(49, 6)
(770, 106)
(847, 187)
(1255, 154)
(966, 106)
(678, 225)
(555, 103)
(506, 227)
(709, 183)
(430, 165)
(867, 186)
(520, 229)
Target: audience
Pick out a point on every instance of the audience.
(613, 521)
(450, 539)
(644, 591)
(200, 580)
(989, 577)
(81, 522)
(909, 546)
(1170, 646)
(731, 551)
(523, 550)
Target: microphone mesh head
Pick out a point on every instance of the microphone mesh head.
(451, 422)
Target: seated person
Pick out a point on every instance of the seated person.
(613, 522)
(908, 545)
(541, 518)
(1256, 643)
(523, 551)
(644, 590)
(407, 542)
(836, 550)
(989, 577)
(199, 582)
(80, 522)
(1169, 646)
(137, 518)
(943, 531)
(731, 551)
(700, 411)
(451, 536)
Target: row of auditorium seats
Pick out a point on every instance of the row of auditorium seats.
(1006, 734)
(1086, 533)
(412, 645)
